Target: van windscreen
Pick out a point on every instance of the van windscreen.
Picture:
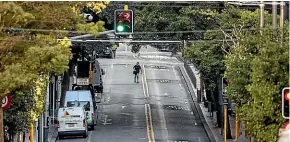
(85, 104)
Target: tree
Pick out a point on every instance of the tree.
(15, 118)
(227, 52)
(268, 78)
(27, 58)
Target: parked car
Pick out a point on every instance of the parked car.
(98, 80)
(72, 121)
(82, 98)
(107, 52)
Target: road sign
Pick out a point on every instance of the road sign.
(286, 127)
(6, 101)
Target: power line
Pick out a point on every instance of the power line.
(157, 32)
(127, 41)
(192, 6)
(45, 30)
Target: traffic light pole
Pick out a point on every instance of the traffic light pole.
(225, 123)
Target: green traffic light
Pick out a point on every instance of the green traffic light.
(120, 28)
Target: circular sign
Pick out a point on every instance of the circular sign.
(6, 101)
(286, 125)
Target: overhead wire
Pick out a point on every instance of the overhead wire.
(150, 32)
(193, 6)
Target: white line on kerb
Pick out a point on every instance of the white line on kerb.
(189, 80)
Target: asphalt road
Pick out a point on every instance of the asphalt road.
(157, 109)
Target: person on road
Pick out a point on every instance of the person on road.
(114, 48)
(137, 68)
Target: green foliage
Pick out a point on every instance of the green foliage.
(255, 64)
(207, 56)
(91, 27)
(156, 18)
(269, 76)
(13, 15)
(17, 117)
(27, 58)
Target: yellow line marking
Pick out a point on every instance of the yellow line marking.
(148, 131)
(151, 124)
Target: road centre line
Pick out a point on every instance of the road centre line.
(151, 123)
(147, 125)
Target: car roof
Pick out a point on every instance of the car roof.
(80, 95)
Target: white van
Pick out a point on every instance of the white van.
(82, 98)
(72, 121)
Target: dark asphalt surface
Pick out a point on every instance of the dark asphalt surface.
(157, 109)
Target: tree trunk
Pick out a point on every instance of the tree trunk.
(1, 122)
(19, 135)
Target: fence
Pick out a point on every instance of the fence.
(188, 70)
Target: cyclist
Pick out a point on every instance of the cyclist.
(137, 69)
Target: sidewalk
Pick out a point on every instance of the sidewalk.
(52, 134)
(211, 120)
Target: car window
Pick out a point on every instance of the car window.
(85, 104)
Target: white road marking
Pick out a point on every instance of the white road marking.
(105, 75)
(106, 120)
(189, 80)
(112, 65)
(145, 81)
(176, 59)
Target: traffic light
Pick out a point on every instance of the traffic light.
(285, 102)
(124, 22)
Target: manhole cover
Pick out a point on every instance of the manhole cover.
(173, 107)
(164, 81)
(159, 67)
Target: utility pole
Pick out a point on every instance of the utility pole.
(262, 5)
(282, 6)
(274, 13)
